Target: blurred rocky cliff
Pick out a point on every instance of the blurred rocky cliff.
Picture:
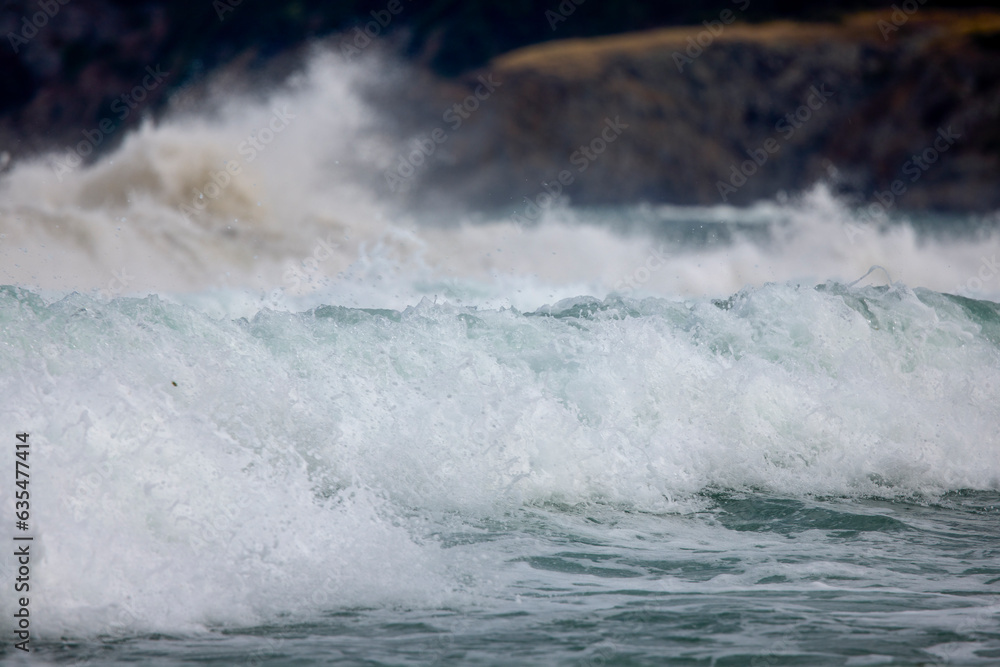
(603, 102)
(759, 109)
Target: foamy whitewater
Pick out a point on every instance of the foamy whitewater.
(297, 423)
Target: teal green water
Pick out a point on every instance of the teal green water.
(796, 475)
(311, 425)
(752, 579)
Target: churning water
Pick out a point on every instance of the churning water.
(285, 420)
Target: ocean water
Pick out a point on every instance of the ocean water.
(303, 424)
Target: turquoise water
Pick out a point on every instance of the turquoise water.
(796, 475)
(753, 579)
(308, 425)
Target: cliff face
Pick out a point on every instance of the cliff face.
(734, 113)
(64, 62)
(722, 112)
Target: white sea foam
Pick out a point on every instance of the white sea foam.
(288, 460)
(293, 466)
(313, 192)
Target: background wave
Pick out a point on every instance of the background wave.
(302, 217)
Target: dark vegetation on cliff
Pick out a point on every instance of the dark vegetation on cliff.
(764, 108)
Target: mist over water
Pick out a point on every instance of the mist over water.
(288, 404)
(163, 214)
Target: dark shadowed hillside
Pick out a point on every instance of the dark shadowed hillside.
(762, 108)
(693, 110)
